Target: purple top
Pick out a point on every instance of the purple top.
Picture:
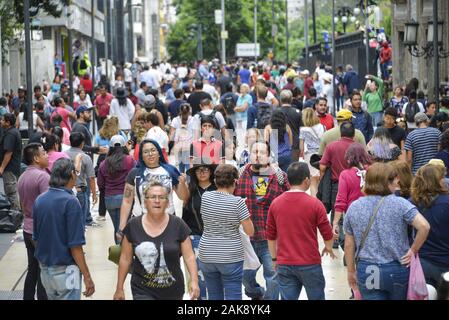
(114, 185)
(32, 183)
(53, 156)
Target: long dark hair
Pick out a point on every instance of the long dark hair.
(24, 109)
(184, 113)
(122, 101)
(114, 159)
(279, 122)
(193, 184)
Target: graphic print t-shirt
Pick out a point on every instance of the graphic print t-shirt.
(157, 270)
(158, 174)
(260, 184)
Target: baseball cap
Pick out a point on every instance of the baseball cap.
(81, 109)
(305, 72)
(117, 140)
(421, 117)
(344, 114)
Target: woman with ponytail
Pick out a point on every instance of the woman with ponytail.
(52, 144)
(181, 133)
(430, 195)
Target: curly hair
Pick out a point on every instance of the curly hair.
(427, 184)
(109, 129)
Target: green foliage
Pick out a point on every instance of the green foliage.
(12, 18)
(239, 21)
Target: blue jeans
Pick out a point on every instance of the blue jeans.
(201, 281)
(388, 281)
(252, 288)
(432, 272)
(223, 280)
(61, 282)
(376, 118)
(113, 204)
(292, 278)
(83, 197)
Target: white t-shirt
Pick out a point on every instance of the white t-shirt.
(128, 76)
(182, 72)
(23, 124)
(158, 135)
(210, 90)
(412, 125)
(123, 113)
(183, 136)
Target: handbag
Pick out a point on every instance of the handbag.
(114, 253)
(251, 261)
(417, 287)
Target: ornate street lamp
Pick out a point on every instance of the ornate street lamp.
(427, 51)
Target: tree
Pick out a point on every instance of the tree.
(182, 39)
(12, 17)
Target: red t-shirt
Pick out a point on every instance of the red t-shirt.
(64, 113)
(104, 104)
(385, 54)
(334, 156)
(307, 85)
(327, 120)
(293, 220)
(87, 85)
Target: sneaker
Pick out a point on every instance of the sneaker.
(101, 218)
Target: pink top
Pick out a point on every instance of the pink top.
(66, 136)
(348, 189)
(53, 156)
(64, 113)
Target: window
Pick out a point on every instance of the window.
(46, 33)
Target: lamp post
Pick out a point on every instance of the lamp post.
(364, 8)
(345, 14)
(26, 8)
(433, 48)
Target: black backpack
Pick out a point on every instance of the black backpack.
(229, 104)
(264, 113)
(211, 117)
(412, 110)
(83, 64)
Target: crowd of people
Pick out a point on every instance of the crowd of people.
(261, 151)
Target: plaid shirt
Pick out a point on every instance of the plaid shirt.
(258, 208)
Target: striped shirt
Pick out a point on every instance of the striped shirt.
(221, 241)
(423, 143)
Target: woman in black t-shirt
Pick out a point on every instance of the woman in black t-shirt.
(201, 180)
(157, 240)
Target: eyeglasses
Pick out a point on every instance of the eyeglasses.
(149, 152)
(203, 170)
(155, 197)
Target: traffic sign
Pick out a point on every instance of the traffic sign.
(247, 49)
(218, 17)
(224, 35)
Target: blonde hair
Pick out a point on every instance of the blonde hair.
(139, 130)
(110, 128)
(309, 117)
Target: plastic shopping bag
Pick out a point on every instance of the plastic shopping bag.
(417, 288)
(251, 261)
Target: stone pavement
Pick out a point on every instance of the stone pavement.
(13, 263)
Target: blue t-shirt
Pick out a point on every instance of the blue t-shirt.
(100, 141)
(436, 247)
(245, 75)
(58, 225)
(242, 116)
(444, 155)
(387, 240)
(173, 108)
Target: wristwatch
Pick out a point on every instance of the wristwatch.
(120, 232)
(273, 259)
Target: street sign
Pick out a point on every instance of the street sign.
(274, 30)
(224, 35)
(247, 50)
(218, 17)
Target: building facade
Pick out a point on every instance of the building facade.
(405, 66)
